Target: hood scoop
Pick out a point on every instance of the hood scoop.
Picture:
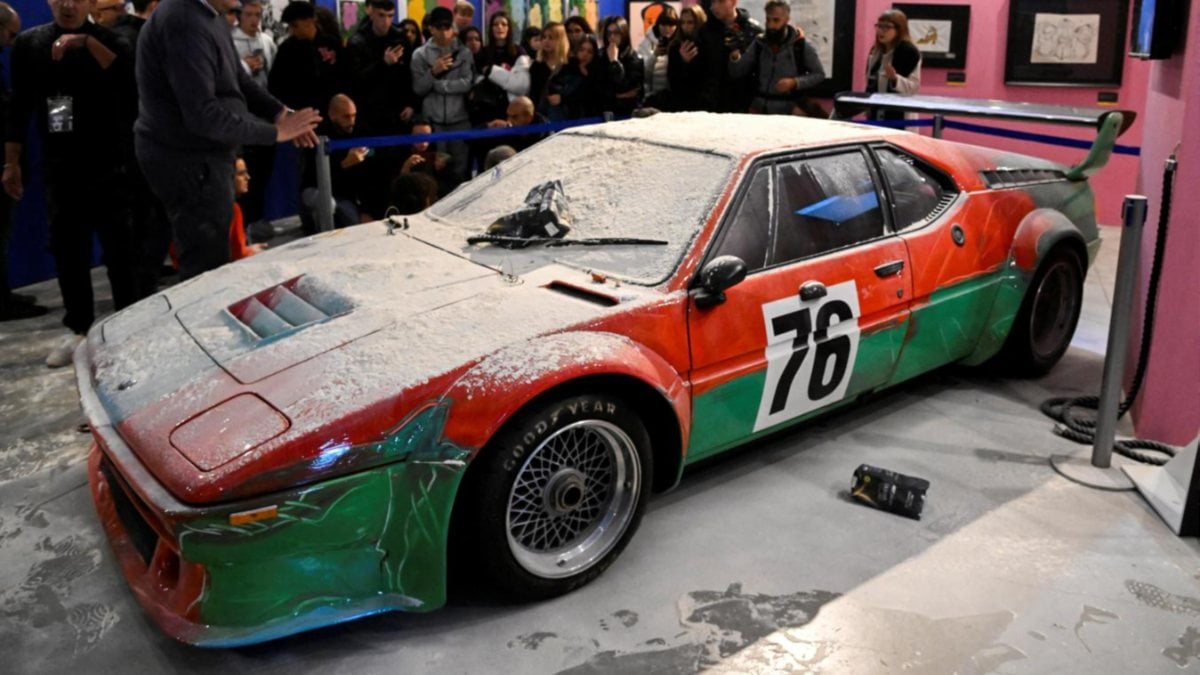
(581, 293)
(287, 307)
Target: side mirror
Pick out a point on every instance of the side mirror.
(719, 274)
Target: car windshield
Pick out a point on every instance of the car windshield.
(617, 192)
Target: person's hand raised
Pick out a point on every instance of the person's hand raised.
(688, 51)
(299, 126)
(392, 55)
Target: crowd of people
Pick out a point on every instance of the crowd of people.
(154, 125)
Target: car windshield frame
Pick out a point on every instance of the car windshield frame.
(633, 181)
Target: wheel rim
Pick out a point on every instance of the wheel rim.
(1055, 306)
(573, 499)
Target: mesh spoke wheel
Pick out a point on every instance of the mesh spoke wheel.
(573, 498)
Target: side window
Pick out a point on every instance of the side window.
(747, 234)
(919, 192)
(824, 204)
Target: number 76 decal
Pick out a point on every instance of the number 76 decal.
(811, 347)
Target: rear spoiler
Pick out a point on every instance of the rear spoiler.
(1109, 124)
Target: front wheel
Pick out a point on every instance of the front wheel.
(558, 495)
(1049, 313)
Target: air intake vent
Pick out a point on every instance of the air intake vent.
(1011, 178)
(583, 294)
(288, 307)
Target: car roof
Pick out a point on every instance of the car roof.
(735, 135)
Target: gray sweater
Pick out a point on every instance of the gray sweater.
(193, 93)
(445, 95)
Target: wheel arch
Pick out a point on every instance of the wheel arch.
(1041, 232)
(483, 403)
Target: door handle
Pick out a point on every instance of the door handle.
(811, 290)
(889, 269)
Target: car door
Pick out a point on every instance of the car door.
(821, 315)
(953, 288)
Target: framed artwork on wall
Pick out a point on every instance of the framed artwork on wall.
(829, 26)
(1074, 43)
(940, 32)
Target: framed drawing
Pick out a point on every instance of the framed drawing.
(829, 26)
(940, 32)
(1078, 43)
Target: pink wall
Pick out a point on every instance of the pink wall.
(1168, 409)
(985, 79)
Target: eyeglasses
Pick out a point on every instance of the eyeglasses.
(885, 26)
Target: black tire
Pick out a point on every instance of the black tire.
(1048, 316)
(554, 498)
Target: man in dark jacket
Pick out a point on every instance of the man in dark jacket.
(380, 57)
(197, 105)
(781, 64)
(308, 68)
(728, 28)
(72, 79)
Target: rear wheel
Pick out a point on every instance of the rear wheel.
(558, 495)
(1049, 313)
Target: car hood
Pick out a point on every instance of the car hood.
(215, 377)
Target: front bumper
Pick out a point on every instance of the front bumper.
(329, 552)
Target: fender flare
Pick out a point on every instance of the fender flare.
(488, 394)
(1040, 231)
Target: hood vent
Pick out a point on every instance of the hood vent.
(287, 307)
(1011, 178)
(583, 294)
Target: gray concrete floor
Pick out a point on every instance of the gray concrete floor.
(756, 563)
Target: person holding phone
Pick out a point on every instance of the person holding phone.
(255, 48)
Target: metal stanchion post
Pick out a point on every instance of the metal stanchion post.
(1098, 471)
(1133, 216)
(324, 205)
(939, 122)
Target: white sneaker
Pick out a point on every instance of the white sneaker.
(64, 352)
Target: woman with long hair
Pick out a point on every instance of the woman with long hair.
(502, 59)
(685, 62)
(653, 51)
(621, 67)
(545, 74)
(576, 27)
(581, 80)
(894, 63)
(412, 32)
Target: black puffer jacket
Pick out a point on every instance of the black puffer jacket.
(719, 91)
(625, 74)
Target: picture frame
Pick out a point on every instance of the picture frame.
(1072, 43)
(939, 31)
(829, 25)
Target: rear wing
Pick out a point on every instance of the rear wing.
(1109, 124)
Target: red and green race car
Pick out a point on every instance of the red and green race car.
(316, 433)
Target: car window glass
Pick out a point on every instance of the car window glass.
(747, 234)
(918, 193)
(825, 203)
(613, 187)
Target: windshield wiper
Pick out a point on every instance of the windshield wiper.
(520, 242)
